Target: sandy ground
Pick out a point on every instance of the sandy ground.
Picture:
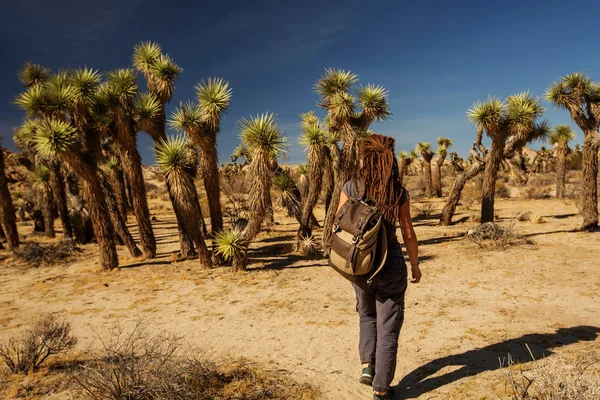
(472, 308)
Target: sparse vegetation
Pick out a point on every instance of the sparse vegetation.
(37, 254)
(492, 235)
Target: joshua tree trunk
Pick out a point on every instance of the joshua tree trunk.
(57, 182)
(45, 203)
(210, 175)
(117, 217)
(589, 194)
(7, 210)
(561, 167)
(99, 211)
(132, 167)
(118, 183)
(489, 180)
(427, 179)
(315, 181)
(454, 196)
(402, 171)
(328, 181)
(437, 177)
(270, 213)
(128, 196)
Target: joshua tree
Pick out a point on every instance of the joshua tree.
(161, 74)
(350, 118)
(290, 194)
(41, 179)
(443, 145)
(500, 121)
(7, 210)
(405, 160)
(579, 95)
(119, 94)
(264, 141)
(175, 159)
(560, 138)
(313, 139)
(519, 115)
(424, 148)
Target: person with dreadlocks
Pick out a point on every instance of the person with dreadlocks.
(380, 304)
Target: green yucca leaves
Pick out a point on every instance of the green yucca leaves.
(164, 74)
(540, 131)
(239, 152)
(33, 74)
(444, 142)
(54, 138)
(185, 117)
(572, 90)
(341, 106)
(214, 95)
(32, 101)
(312, 135)
(308, 118)
(334, 81)
(261, 134)
(41, 174)
(561, 134)
(147, 108)
(145, 55)
(423, 147)
(85, 82)
(174, 154)
(24, 135)
(230, 244)
(122, 84)
(403, 155)
(112, 162)
(374, 101)
(302, 170)
(487, 115)
(522, 110)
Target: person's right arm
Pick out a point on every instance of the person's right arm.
(410, 241)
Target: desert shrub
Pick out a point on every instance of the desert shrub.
(36, 254)
(533, 192)
(537, 219)
(492, 235)
(138, 365)
(308, 246)
(555, 378)
(502, 190)
(424, 210)
(525, 216)
(47, 337)
(471, 195)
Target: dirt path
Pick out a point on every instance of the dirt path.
(297, 314)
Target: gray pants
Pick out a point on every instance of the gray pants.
(380, 307)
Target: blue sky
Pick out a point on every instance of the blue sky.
(435, 58)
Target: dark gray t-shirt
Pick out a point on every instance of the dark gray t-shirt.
(350, 189)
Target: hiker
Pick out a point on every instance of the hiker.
(380, 297)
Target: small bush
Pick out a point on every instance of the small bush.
(534, 193)
(491, 235)
(307, 246)
(138, 365)
(36, 254)
(537, 219)
(502, 190)
(471, 195)
(47, 337)
(424, 210)
(555, 378)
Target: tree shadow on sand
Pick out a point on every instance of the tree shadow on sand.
(473, 362)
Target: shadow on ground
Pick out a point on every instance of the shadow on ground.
(473, 362)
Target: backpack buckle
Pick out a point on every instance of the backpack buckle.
(335, 228)
(354, 239)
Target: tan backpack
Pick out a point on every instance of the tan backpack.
(357, 247)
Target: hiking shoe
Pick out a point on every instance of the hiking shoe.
(366, 378)
(388, 396)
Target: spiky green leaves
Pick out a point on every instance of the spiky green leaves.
(374, 101)
(147, 109)
(230, 244)
(33, 74)
(54, 138)
(424, 148)
(308, 119)
(145, 55)
(261, 136)
(112, 163)
(41, 174)
(444, 142)
(214, 96)
(561, 134)
(334, 81)
(85, 83)
(488, 115)
(24, 135)
(572, 91)
(186, 117)
(122, 84)
(313, 132)
(174, 154)
(32, 101)
(522, 110)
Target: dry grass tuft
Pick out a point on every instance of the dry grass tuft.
(555, 378)
(492, 235)
(37, 254)
(537, 219)
(424, 210)
(47, 337)
(308, 246)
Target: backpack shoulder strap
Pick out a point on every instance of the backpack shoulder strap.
(361, 189)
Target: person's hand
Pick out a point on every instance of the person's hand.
(416, 273)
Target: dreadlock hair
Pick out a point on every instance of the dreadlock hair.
(379, 172)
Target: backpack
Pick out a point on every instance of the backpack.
(357, 247)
